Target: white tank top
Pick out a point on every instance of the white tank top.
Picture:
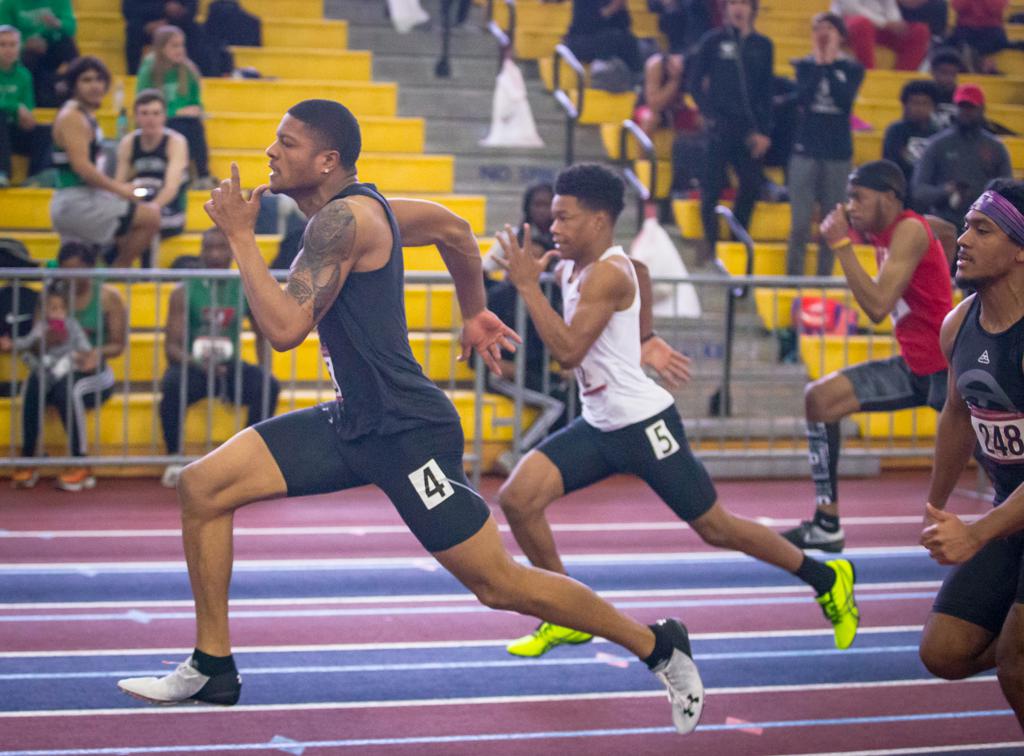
(614, 390)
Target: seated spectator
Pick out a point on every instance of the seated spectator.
(501, 300)
(168, 70)
(979, 32)
(735, 103)
(48, 42)
(959, 162)
(946, 66)
(154, 159)
(100, 311)
(143, 17)
(600, 29)
(933, 13)
(871, 22)
(19, 132)
(827, 84)
(662, 103)
(906, 139)
(88, 205)
(203, 347)
(537, 214)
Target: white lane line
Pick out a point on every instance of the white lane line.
(481, 700)
(362, 530)
(441, 598)
(415, 645)
(421, 562)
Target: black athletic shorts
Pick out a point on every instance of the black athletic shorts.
(420, 470)
(654, 450)
(883, 385)
(983, 589)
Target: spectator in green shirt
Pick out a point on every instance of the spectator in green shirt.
(19, 131)
(168, 69)
(48, 30)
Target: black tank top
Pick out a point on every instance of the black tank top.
(365, 342)
(151, 167)
(988, 371)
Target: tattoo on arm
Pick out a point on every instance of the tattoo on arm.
(327, 243)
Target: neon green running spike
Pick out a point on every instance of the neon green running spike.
(545, 638)
(839, 605)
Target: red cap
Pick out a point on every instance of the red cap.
(970, 94)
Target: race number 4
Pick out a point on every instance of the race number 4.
(431, 484)
(663, 443)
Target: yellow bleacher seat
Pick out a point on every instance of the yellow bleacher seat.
(309, 9)
(43, 245)
(769, 222)
(775, 307)
(277, 32)
(29, 209)
(886, 85)
(281, 62)
(131, 423)
(825, 354)
(391, 173)
(599, 106)
(867, 146)
(880, 113)
(143, 360)
(770, 258)
(255, 131)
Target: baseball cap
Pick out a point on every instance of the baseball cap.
(971, 94)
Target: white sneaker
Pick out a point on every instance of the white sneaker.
(680, 676)
(171, 475)
(185, 684)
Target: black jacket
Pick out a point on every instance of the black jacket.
(729, 97)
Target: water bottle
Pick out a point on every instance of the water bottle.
(121, 125)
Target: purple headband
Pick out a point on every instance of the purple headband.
(1003, 214)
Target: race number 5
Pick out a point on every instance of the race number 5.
(663, 443)
(431, 484)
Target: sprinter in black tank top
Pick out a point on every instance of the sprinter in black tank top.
(389, 426)
(977, 621)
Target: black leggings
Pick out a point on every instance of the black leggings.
(194, 132)
(197, 387)
(728, 147)
(59, 395)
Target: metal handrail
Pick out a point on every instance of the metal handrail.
(644, 193)
(562, 97)
(724, 395)
(504, 37)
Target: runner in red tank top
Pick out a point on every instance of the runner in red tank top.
(913, 288)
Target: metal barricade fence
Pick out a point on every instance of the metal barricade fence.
(757, 344)
(126, 430)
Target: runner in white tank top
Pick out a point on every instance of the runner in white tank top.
(629, 423)
(614, 389)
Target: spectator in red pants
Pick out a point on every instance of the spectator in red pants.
(871, 22)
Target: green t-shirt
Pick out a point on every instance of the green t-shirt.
(213, 310)
(16, 90)
(26, 16)
(169, 86)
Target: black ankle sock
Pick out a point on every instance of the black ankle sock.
(828, 523)
(212, 665)
(662, 647)
(819, 576)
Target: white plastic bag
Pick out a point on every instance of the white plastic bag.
(406, 14)
(654, 248)
(512, 123)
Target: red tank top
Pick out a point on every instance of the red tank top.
(917, 317)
